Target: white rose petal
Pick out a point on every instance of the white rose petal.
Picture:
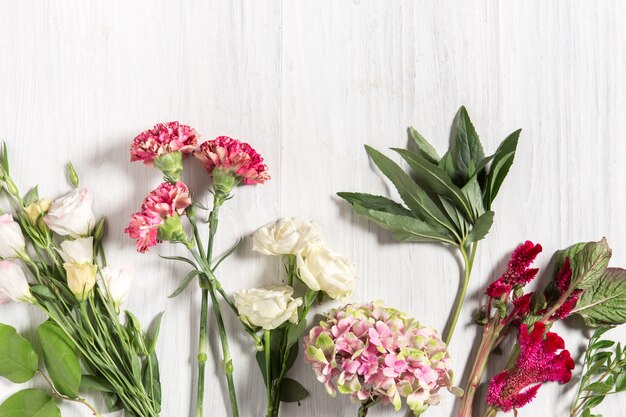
(324, 270)
(78, 251)
(13, 283)
(287, 236)
(11, 237)
(72, 214)
(116, 283)
(267, 307)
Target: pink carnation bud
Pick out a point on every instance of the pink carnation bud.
(162, 139)
(233, 156)
(540, 360)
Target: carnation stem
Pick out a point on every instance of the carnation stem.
(267, 337)
(468, 261)
(202, 353)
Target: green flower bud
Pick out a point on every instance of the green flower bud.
(71, 172)
(98, 231)
(171, 164)
(223, 182)
(172, 230)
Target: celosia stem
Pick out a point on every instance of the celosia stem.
(490, 335)
(267, 336)
(468, 261)
(490, 412)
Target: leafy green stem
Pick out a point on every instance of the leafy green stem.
(468, 262)
(60, 396)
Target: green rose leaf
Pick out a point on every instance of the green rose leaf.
(29, 403)
(604, 303)
(292, 391)
(18, 360)
(59, 354)
(465, 150)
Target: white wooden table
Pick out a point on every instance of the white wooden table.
(307, 83)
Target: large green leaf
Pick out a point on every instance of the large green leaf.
(466, 150)
(589, 263)
(375, 202)
(424, 148)
(405, 228)
(59, 353)
(474, 195)
(29, 403)
(292, 391)
(481, 227)
(502, 161)
(437, 180)
(604, 302)
(18, 360)
(416, 199)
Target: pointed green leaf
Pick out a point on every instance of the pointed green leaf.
(292, 391)
(185, 282)
(32, 196)
(29, 403)
(294, 331)
(412, 194)
(151, 378)
(228, 253)
(437, 180)
(502, 161)
(4, 162)
(59, 353)
(375, 202)
(425, 149)
(474, 195)
(465, 147)
(18, 360)
(481, 227)
(404, 228)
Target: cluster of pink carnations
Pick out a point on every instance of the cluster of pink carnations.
(376, 353)
(171, 198)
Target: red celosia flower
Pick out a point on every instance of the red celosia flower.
(233, 156)
(522, 304)
(163, 138)
(563, 281)
(517, 271)
(538, 362)
(163, 202)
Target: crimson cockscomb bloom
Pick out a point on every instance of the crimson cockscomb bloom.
(540, 360)
(563, 281)
(517, 271)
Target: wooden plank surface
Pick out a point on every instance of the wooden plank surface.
(308, 83)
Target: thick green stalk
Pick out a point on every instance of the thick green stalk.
(267, 337)
(468, 262)
(202, 353)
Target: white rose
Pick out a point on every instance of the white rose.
(116, 283)
(11, 237)
(324, 270)
(267, 307)
(78, 251)
(71, 214)
(13, 283)
(287, 236)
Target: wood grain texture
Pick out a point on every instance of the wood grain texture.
(308, 83)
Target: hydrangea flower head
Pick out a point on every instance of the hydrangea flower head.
(228, 155)
(159, 216)
(375, 352)
(540, 360)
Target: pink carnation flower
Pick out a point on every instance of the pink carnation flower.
(163, 138)
(233, 156)
(375, 352)
(540, 360)
(165, 201)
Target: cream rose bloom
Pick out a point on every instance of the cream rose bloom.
(287, 236)
(11, 237)
(72, 214)
(13, 283)
(324, 270)
(267, 307)
(116, 283)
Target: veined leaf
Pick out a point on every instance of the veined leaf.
(18, 360)
(481, 227)
(465, 148)
(474, 195)
(59, 353)
(455, 215)
(604, 302)
(502, 161)
(375, 202)
(292, 391)
(589, 264)
(412, 194)
(424, 148)
(29, 403)
(437, 180)
(408, 228)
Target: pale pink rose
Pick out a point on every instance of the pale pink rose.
(161, 139)
(71, 214)
(233, 156)
(11, 237)
(13, 283)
